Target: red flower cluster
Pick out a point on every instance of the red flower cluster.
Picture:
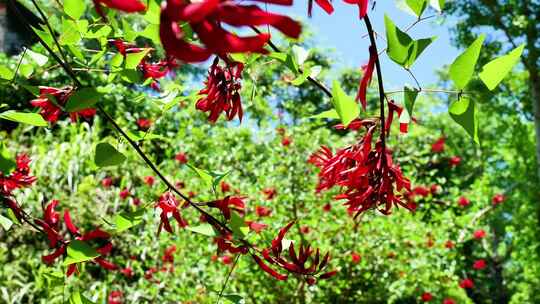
(463, 201)
(263, 211)
(182, 158)
(369, 175)
(115, 297)
(206, 19)
(454, 161)
(17, 179)
(222, 91)
(169, 205)
(51, 101)
(355, 258)
(479, 234)
(230, 202)
(426, 297)
(51, 226)
(438, 146)
(466, 283)
(479, 264)
(498, 199)
(296, 263)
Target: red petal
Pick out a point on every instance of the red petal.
(69, 224)
(267, 269)
(129, 6)
(328, 275)
(326, 6)
(366, 78)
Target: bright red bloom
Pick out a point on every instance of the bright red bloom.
(438, 146)
(356, 258)
(421, 191)
(124, 193)
(434, 189)
(225, 187)
(51, 109)
(169, 205)
(263, 211)
(463, 201)
(17, 179)
(226, 259)
(144, 123)
(327, 207)
(230, 202)
(426, 297)
(222, 91)
(449, 244)
(136, 201)
(497, 199)
(270, 193)
(149, 180)
(366, 78)
(324, 4)
(128, 6)
(106, 182)
(206, 18)
(449, 301)
(286, 141)
(51, 217)
(479, 234)
(479, 264)
(466, 283)
(257, 227)
(181, 158)
(168, 255)
(125, 48)
(304, 229)
(128, 272)
(115, 297)
(454, 161)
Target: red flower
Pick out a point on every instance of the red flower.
(430, 242)
(257, 227)
(327, 207)
(426, 297)
(449, 301)
(366, 78)
(222, 91)
(51, 109)
(106, 182)
(124, 193)
(17, 179)
(466, 283)
(125, 48)
(421, 191)
(286, 141)
(128, 6)
(449, 244)
(479, 234)
(128, 272)
(230, 202)
(438, 146)
(263, 211)
(434, 189)
(149, 180)
(144, 123)
(206, 18)
(463, 201)
(181, 158)
(304, 229)
(362, 6)
(479, 264)
(51, 217)
(356, 258)
(497, 199)
(225, 187)
(168, 255)
(324, 4)
(270, 193)
(115, 297)
(136, 201)
(455, 160)
(226, 259)
(169, 205)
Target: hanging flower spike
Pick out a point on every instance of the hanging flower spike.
(169, 204)
(51, 109)
(222, 91)
(19, 178)
(366, 78)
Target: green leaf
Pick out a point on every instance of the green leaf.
(204, 229)
(332, 114)
(402, 49)
(238, 225)
(438, 5)
(463, 112)
(141, 135)
(409, 98)
(495, 71)
(117, 60)
(126, 220)
(133, 59)
(234, 298)
(204, 175)
(7, 164)
(417, 6)
(46, 36)
(152, 13)
(98, 31)
(70, 33)
(33, 119)
(107, 155)
(54, 278)
(5, 222)
(41, 60)
(152, 32)
(306, 72)
(462, 68)
(84, 98)
(346, 107)
(78, 251)
(6, 73)
(74, 8)
(78, 298)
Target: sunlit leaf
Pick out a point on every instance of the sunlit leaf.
(78, 251)
(204, 229)
(38, 58)
(346, 107)
(332, 114)
(107, 155)
(33, 119)
(7, 164)
(495, 71)
(417, 6)
(74, 8)
(84, 98)
(462, 69)
(409, 98)
(126, 220)
(463, 112)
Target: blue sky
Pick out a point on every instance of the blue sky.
(343, 32)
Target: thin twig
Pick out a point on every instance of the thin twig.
(18, 65)
(413, 77)
(227, 278)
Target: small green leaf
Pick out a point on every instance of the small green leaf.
(78, 298)
(7, 164)
(409, 98)
(133, 59)
(346, 107)
(204, 175)
(152, 12)
(234, 298)
(70, 33)
(5, 222)
(462, 69)
(402, 49)
(238, 225)
(78, 251)
(74, 8)
(331, 114)
(84, 98)
(54, 278)
(204, 229)
(306, 72)
(33, 119)
(417, 6)
(463, 112)
(41, 60)
(495, 71)
(98, 31)
(107, 155)
(117, 60)
(152, 32)
(126, 220)
(6, 73)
